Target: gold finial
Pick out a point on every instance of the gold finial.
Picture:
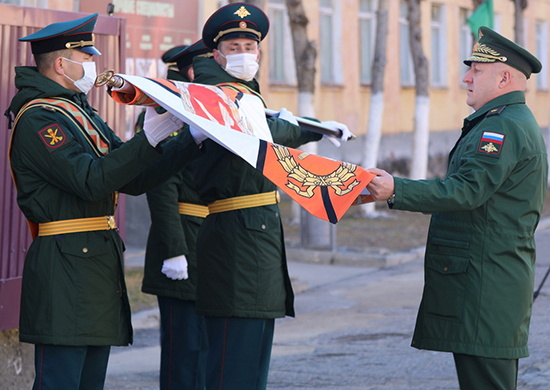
(242, 12)
(109, 78)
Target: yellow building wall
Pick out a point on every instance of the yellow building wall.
(349, 102)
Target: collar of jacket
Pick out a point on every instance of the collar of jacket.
(209, 72)
(33, 85)
(176, 76)
(515, 97)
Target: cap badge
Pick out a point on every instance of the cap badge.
(242, 12)
(242, 24)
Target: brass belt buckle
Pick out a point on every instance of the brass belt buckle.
(111, 222)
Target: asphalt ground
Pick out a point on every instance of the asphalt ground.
(352, 331)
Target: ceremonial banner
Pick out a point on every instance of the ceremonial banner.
(325, 188)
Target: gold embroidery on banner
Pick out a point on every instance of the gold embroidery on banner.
(242, 12)
(310, 180)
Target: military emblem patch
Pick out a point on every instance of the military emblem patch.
(491, 143)
(53, 137)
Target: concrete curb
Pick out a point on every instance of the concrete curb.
(374, 258)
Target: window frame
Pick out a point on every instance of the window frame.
(369, 17)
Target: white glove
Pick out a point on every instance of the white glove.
(158, 127)
(126, 88)
(287, 116)
(197, 135)
(175, 268)
(332, 140)
(346, 134)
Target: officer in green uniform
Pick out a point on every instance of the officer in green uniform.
(68, 166)
(243, 282)
(480, 253)
(170, 260)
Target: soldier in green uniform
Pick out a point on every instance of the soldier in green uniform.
(243, 281)
(170, 270)
(68, 166)
(480, 253)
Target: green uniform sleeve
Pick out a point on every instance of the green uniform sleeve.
(166, 220)
(287, 134)
(472, 177)
(133, 166)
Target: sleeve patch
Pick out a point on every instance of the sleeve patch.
(491, 144)
(53, 137)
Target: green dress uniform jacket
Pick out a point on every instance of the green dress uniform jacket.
(242, 270)
(172, 234)
(480, 254)
(73, 290)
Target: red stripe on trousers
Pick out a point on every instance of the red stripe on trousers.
(223, 354)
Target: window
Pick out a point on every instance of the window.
(329, 37)
(439, 46)
(405, 58)
(27, 3)
(465, 41)
(367, 36)
(282, 68)
(541, 52)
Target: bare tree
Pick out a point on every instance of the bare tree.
(305, 55)
(315, 232)
(421, 133)
(258, 3)
(519, 30)
(376, 109)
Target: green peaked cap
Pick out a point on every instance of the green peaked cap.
(493, 47)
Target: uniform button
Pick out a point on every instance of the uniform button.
(85, 250)
(277, 215)
(445, 269)
(263, 227)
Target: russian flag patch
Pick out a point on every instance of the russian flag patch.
(491, 143)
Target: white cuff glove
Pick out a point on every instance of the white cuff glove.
(197, 135)
(346, 134)
(175, 268)
(332, 140)
(158, 127)
(126, 88)
(287, 116)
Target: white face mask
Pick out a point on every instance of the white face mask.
(88, 79)
(242, 66)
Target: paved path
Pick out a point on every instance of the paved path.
(352, 331)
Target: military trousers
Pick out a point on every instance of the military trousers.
(480, 373)
(60, 367)
(239, 353)
(184, 345)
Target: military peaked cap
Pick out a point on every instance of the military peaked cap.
(493, 47)
(75, 34)
(183, 55)
(235, 20)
